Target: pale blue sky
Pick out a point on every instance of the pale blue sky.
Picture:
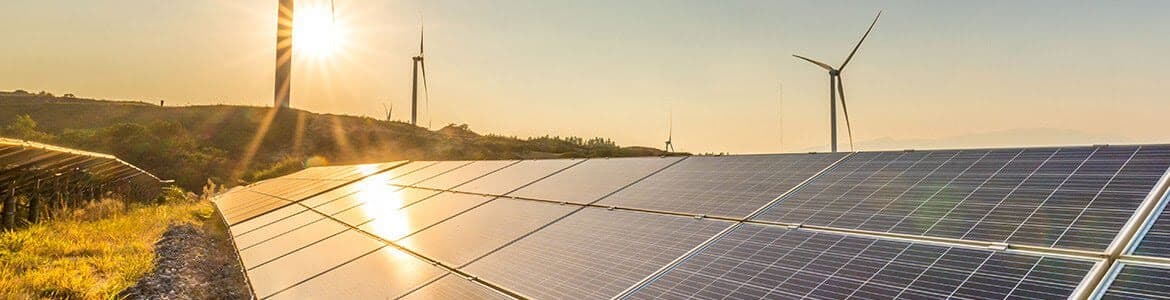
(1087, 72)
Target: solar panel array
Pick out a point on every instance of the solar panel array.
(1033, 223)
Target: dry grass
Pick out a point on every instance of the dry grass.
(93, 253)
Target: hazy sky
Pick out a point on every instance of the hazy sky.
(932, 74)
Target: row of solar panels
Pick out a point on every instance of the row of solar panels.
(987, 223)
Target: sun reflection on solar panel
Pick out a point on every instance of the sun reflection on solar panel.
(382, 203)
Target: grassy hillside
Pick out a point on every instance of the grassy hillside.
(192, 144)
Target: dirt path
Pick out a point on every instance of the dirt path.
(190, 263)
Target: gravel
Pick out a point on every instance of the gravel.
(191, 264)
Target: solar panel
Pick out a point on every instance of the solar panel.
(265, 219)
(280, 245)
(384, 274)
(479, 231)
(1052, 197)
(249, 238)
(757, 261)
(515, 176)
(297, 189)
(452, 286)
(342, 173)
(306, 263)
(594, 178)
(432, 170)
(248, 205)
(464, 174)
(593, 253)
(731, 186)
(393, 224)
(1139, 282)
(382, 197)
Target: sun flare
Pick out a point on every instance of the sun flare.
(316, 32)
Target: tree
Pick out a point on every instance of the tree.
(25, 128)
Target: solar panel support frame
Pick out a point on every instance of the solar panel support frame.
(1127, 239)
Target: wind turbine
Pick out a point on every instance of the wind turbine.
(669, 132)
(389, 111)
(418, 63)
(835, 87)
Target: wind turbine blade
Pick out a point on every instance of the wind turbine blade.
(421, 34)
(845, 108)
(333, 11)
(858, 46)
(426, 91)
(823, 65)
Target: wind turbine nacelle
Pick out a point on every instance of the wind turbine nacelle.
(834, 72)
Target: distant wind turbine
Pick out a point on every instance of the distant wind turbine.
(835, 87)
(669, 132)
(418, 63)
(389, 111)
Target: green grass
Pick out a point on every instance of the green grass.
(88, 255)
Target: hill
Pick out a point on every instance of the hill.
(235, 144)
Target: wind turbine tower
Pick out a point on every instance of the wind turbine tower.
(418, 64)
(669, 133)
(284, 40)
(837, 87)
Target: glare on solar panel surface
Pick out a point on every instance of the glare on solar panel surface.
(1067, 198)
(384, 274)
(297, 189)
(1139, 282)
(452, 286)
(393, 224)
(432, 170)
(593, 253)
(515, 176)
(594, 178)
(464, 174)
(756, 261)
(342, 173)
(470, 235)
(378, 196)
(306, 263)
(731, 186)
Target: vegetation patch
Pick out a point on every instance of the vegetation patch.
(85, 256)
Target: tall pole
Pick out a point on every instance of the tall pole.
(414, 92)
(833, 111)
(284, 40)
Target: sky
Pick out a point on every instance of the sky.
(933, 74)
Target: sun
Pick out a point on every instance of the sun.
(316, 32)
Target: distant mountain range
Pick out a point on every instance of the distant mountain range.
(192, 144)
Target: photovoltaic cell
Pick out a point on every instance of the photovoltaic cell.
(285, 243)
(596, 177)
(464, 174)
(384, 274)
(1075, 198)
(394, 224)
(593, 254)
(275, 229)
(452, 286)
(296, 189)
(247, 204)
(757, 262)
(432, 170)
(306, 263)
(265, 219)
(1139, 282)
(470, 235)
(730, 186)
(515, 176)
(342, 173)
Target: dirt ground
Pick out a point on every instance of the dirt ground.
(192, 263)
